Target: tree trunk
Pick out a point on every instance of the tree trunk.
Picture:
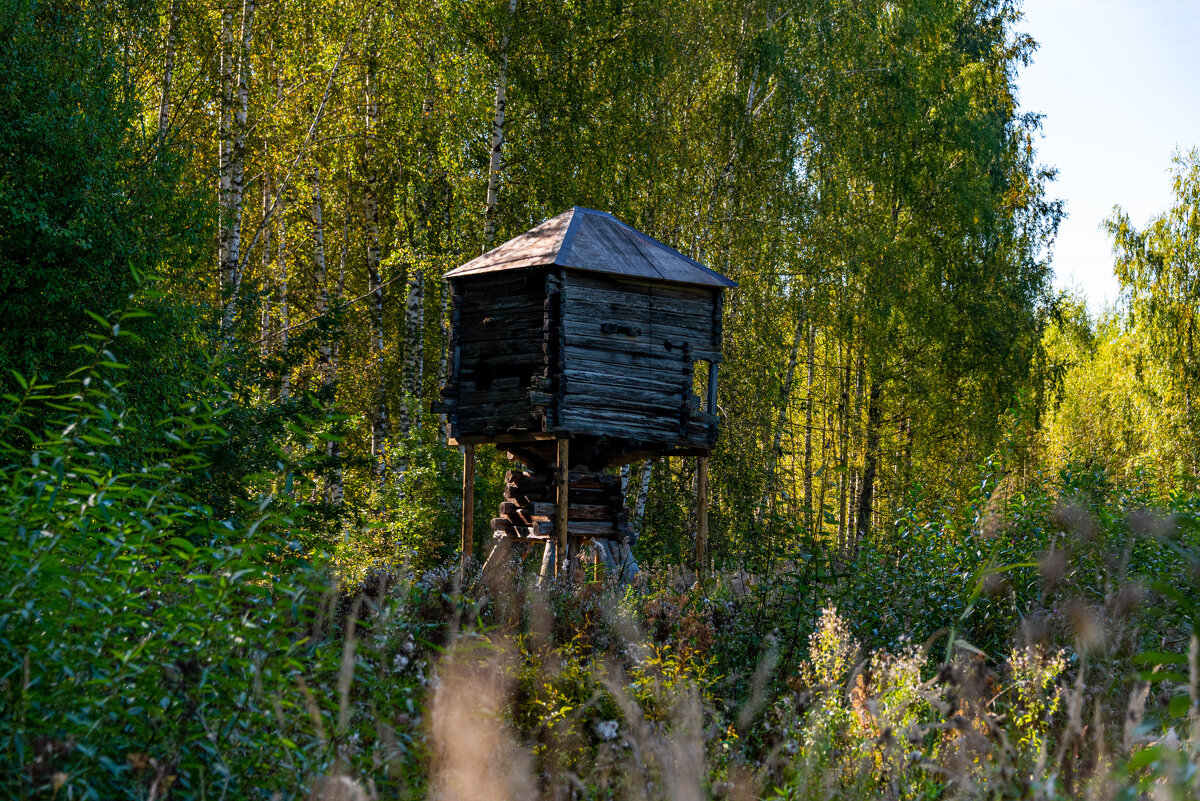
(285, 383)
(414, 343)
(337, 490)
(379, 414)
(852, 497)
(225, 146)
(639, 508)
(164, 98)
(320, 269)
(414, 360)
(495, 163)
(264, 346)
(236, 90)
(808, 424)
(843, 449)
(768, 500)
(866, 494)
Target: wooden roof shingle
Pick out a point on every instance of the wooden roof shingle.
(585, 239)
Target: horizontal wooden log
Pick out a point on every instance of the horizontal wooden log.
(540, 398)
(610, 376)
(521, 335)
(577, 511)
(503, 298)
(523, 479)
(650, 331)
(593, 480)
(636, 416)
(503, 524)
(516, 408)
(494, 429)
(617, 428)
(696, 306)
(637, 313)
(601, 394)
(633, 284)
(631, 352)
(544, 528)
(499, 288)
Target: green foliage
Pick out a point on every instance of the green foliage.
(88, 207)
(154, 644)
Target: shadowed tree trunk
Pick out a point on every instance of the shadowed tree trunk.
(871, 460)
(767, 503)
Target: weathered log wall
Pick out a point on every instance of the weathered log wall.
(628, 359)
(585, 355)
(498, 352)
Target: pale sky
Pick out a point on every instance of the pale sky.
(1119, 84)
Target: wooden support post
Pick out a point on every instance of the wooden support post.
(468, 498)
(701, 515)
(563, 509)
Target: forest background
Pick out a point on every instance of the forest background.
(224, 323)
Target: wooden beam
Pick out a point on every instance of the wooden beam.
(562, 512)
(468, 495)
(500, 439)
(701, 515)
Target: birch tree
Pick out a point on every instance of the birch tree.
(368, 169)
(235, 104)
(495, 162)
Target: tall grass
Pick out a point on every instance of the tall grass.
(150, 648)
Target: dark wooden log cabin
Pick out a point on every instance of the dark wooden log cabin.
(585, 329)
(579, 346)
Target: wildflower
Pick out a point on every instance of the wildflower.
(606, 729)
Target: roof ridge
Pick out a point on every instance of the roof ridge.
(611, 246)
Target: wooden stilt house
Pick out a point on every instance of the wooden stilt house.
(582, 331)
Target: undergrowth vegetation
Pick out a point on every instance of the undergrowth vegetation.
(1039, 644)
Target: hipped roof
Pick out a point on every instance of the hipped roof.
(585, 239)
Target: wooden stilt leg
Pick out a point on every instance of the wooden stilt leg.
(701, 515)
(561, 511)
(468, 494)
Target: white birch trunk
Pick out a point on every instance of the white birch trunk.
(379, 415)
(639, 508)
(414, 344)
(495, 163)
(337, 490)
(164, 99)
(234, 158)
(225, 145)
(414, 357)
(320, 268)
(285, 382)
(264, 328)
(808, 425)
